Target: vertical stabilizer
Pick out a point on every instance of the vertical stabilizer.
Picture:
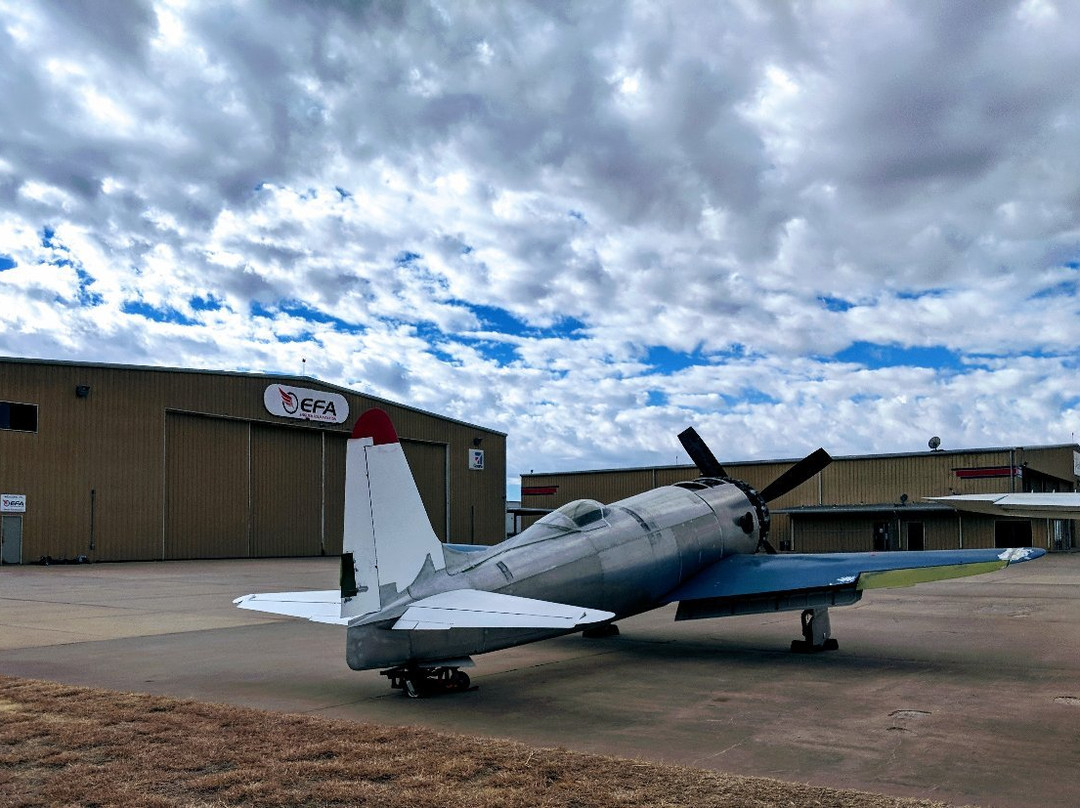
(386, 527)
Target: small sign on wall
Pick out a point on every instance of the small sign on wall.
(12, 503)
(476, 459)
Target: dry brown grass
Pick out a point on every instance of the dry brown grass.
(63, 746)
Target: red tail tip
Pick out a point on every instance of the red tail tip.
(375, 424)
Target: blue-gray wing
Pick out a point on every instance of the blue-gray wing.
(748, 584)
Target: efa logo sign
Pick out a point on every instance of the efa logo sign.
(305, 404)
(12, 503)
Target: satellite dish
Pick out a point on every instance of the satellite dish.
(934, 443)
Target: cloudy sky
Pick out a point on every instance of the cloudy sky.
(587, 224)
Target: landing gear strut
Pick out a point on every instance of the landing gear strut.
(417, 682)
(815, 631)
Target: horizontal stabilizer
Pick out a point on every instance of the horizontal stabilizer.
(1062, 505)
(319, 606)
(473, 608)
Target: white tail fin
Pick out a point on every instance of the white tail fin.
(386, 527)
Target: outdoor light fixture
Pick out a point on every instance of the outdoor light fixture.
(82, 391)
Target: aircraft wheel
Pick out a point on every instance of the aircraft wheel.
(459, 680)
(411, 688)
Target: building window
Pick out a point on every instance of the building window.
(18, 417)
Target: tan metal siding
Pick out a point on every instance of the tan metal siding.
(477, 497)
(334, 487)
(833, 535)
(207, 495)
(286, 473)
(427, 461)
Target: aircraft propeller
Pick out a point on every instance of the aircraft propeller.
(700, 453)
(791, 479)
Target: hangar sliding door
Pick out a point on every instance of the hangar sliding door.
(427, 461)
(206, 487)
(235, 489)
(287, 491)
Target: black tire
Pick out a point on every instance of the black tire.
(411, 688)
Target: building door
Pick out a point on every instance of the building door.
(915, 536)
(1012, 533)
(1061, 535)
(11, 540)
(883, 536)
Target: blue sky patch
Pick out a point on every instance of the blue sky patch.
(298, 309)
(909, 295)
(159, 314)
(7, 262)
(208, 303)
(1063, 289)
(87, 297)
(668, 361)
(503, 353)
(493, 318)
(836, 303)
(656, 398)
(873, 355)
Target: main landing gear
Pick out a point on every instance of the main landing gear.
(815, 631)
(417, 682)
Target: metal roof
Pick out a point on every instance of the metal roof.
(280, 377)
(836, 458)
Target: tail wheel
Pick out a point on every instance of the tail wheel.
(459, 680)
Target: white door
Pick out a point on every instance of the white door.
(11, 539)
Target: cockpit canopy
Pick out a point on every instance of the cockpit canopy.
(574, 517)
(581, 514)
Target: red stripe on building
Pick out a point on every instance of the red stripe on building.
(539, 490)
(987, 471)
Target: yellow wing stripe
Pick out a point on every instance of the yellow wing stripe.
(890, 579)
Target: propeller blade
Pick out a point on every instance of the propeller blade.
(796, 475)
(702, 456)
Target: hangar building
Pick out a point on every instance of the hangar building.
(116, 462)
(872, 502)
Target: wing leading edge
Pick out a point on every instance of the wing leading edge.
(747, 584)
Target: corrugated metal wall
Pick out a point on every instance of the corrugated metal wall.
(161, 463)
(207, 492)
(427, 461)
(287, 491)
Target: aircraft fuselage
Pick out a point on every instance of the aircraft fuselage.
(621, 558)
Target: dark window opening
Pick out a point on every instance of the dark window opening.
(1012, 533)
(18, 417)
(915, 536)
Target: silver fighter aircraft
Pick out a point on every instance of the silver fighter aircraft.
(420, 609)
